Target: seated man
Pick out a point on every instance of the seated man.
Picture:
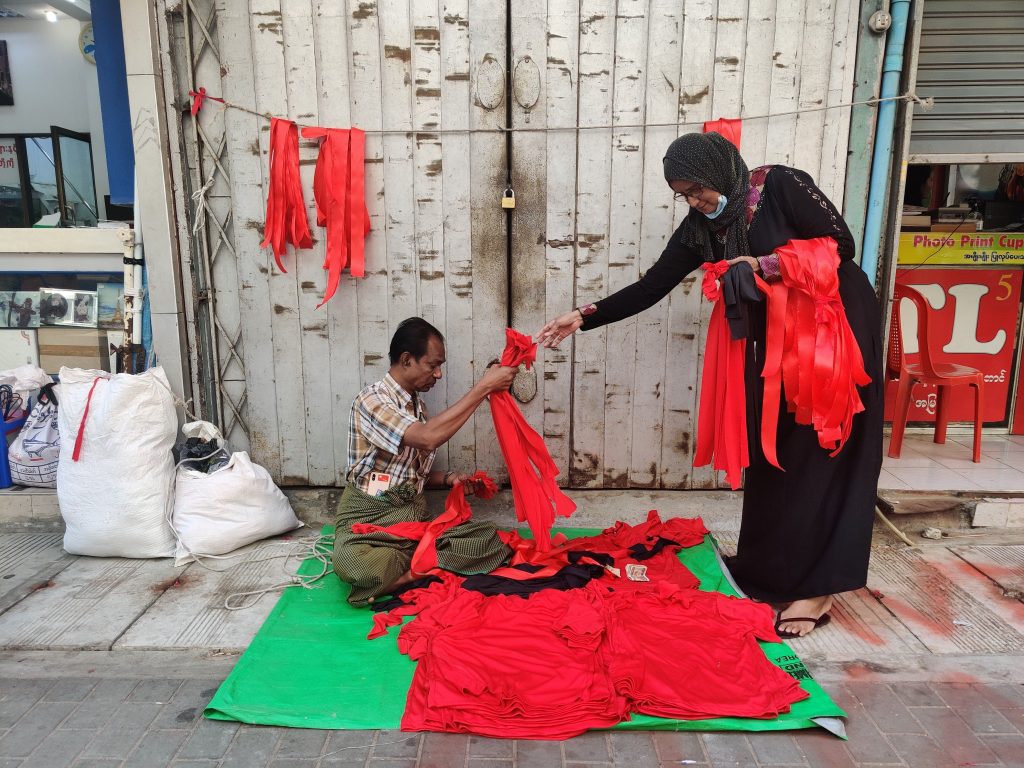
(391, 448)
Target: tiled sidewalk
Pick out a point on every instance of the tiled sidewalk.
(925, 466)
(79, 722)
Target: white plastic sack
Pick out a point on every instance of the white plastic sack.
(25, 378)
(233, 506)
(33, 454)
(115, 499)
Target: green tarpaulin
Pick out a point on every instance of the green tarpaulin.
(311, 666)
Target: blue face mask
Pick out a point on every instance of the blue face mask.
(722, 202)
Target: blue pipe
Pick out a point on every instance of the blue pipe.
(878, 187)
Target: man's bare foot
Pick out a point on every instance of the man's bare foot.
(812, 608)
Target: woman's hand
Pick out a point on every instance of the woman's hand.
(749, 259)
(561, 327)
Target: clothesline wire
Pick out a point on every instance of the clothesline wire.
(927, 103)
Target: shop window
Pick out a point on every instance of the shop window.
(52, 320)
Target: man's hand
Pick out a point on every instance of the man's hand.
(498, 378)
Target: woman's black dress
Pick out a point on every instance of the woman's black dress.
(806, 531)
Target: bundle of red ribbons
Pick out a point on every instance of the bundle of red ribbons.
(338, 189)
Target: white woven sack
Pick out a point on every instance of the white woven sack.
(219, 512)
(115, 499)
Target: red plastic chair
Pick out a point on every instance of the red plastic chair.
(927, 371)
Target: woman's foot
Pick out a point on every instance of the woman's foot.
(803, 616)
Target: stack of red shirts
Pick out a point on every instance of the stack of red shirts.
(556, 663)
(511, 668)
(694, 655)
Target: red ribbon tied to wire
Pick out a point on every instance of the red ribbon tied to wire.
(339, 190)
(286, 208)
(198, 97)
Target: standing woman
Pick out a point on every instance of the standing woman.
(805, 533)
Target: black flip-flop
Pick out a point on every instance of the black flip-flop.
(786, 634)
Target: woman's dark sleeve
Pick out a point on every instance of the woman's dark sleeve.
(675, 263)
(811, 213)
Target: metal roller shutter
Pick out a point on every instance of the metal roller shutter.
(972, 63)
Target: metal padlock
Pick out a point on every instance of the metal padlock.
(508, 200)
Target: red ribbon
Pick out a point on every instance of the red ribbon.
(532, 472)
(729, 128)
(456, 512)
(812, 356)
(198, 97)
(339, 190)
(722, 415)
(81, 427)
(286, 208)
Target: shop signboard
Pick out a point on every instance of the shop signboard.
(962, 248)
(973, 322)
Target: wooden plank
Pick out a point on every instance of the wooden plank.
(814, 75)
(285, 351)
(836, 134)
(561, 80)
(628, 108)
(529, 170)
(429, 197)
(246, 137)
(372, 292)
(300, 61)
(785, 86)
(331, 35)
(757, 78)
(458, 252)
(687, 313)
(596, 62)
(728, 83)
(486, 182)
(664, 96)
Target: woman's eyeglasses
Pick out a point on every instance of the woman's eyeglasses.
(693, 191)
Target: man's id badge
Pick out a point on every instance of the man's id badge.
(379, 482)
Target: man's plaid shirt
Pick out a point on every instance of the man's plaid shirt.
(377, 422)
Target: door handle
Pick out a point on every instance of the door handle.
(490, 82)
(526, 83)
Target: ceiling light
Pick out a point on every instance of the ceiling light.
(51, 17)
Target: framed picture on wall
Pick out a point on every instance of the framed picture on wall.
(6, 84)
(19, 309)
(67, 307)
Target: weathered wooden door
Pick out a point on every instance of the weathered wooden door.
(600, 88)
(594, 90)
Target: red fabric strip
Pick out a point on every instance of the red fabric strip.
(532, 473)
(812, 357)
(729, 128)
(722, 414)
(286, 208)
(338, 188)
(81, 427)
(198, 97)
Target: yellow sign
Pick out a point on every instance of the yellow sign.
(962, 248)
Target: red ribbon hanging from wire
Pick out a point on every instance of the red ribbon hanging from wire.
(338, 188)
(286, 208)
(730, 128)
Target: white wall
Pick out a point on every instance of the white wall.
(53, 85)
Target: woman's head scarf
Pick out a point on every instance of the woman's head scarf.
(712, 161)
